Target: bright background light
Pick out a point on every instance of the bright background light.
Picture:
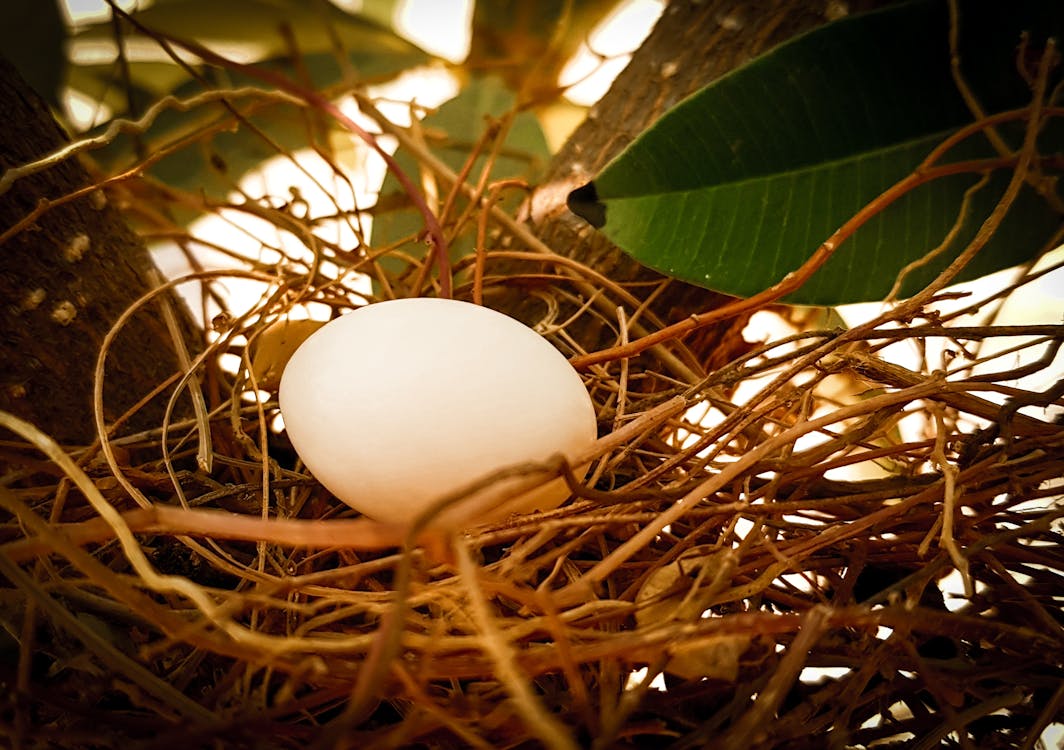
(442, 27)
(608, 49)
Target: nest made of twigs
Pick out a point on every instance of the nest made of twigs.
(810, 546)
(725, 557)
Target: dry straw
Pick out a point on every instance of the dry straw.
(895, 528)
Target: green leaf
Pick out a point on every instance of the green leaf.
(148, 82)
(214, 161)
(215, 150)
(454, 128)
(248, 30)
(381, 11)
(738, 185)
(255, 30)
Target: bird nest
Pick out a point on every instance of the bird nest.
(814, 544)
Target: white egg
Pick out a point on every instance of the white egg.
(399, 403)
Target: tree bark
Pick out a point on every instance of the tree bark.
(64, 280)
(692, 44)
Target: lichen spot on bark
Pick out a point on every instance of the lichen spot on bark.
(64, 313)
(77, 247)
(32, 299)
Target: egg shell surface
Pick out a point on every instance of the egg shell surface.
(399, 403)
